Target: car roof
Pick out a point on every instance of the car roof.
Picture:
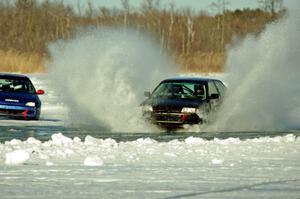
(11, 75)
(185, 78)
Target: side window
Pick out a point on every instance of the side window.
(212, 88)
(220, 87)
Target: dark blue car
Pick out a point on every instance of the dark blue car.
(177, 102)
(18, 97)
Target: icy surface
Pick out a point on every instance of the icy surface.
(94, 168)
(87, 167)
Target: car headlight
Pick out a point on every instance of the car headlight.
(147, 108)
(188, 110)
(31, 104)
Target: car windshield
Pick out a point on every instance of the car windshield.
(16, 85)
(188, 90)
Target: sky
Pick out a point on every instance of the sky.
(196, 5)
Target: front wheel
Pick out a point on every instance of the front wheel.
(37, 115)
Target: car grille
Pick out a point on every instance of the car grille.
(166, 109)
(168, 118)
(172, 116)
(14, 112)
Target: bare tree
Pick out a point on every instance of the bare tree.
(148, 5)
(221, 7)
(89, 12)
(126, 7)
(271, 6)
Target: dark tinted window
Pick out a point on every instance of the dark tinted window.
(180, 90)
(12, 84)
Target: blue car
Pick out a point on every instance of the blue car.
(18, 97)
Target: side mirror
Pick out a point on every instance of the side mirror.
(147, 94)
(214, 96)
(40, 92)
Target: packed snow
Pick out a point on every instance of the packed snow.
(62, 150)
(62, 167)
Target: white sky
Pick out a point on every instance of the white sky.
(194, 4)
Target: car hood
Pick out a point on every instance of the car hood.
(18, 98)
(174, 102)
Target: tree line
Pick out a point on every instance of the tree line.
(197, 40)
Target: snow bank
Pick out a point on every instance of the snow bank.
(97, 152)
(93, 161)
(16, 157)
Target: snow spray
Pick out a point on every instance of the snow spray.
(104, 72)
(264, 80)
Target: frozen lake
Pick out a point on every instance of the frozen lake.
(52, 158)
(91, 143)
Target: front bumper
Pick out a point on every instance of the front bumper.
(173, 120)
(18, 111)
